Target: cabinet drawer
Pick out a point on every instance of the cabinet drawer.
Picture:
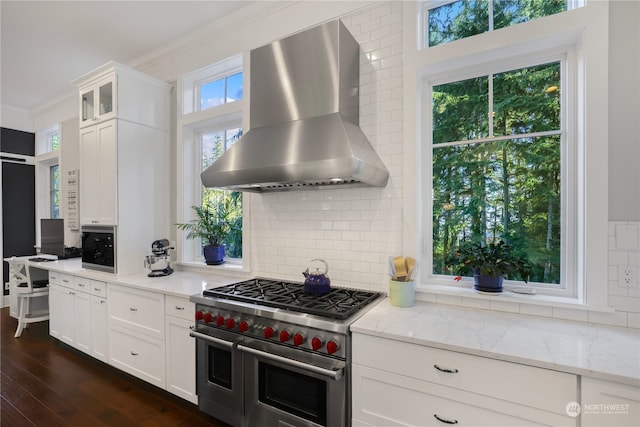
(385, 399)
(82, 284)
(138, 354)
(54, 278)
(136, 309)
(179, 307)
(66, 280)
(511, 382)
(99, 288)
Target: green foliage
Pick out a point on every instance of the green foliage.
(491, 180)
(493, 259)
(212, 224)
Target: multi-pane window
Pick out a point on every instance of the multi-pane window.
(220, 91)
(446, 21)
(227, 204)
(497, 165)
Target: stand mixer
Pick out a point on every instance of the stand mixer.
(158, 263)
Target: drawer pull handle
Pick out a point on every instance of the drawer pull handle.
(444, 420)
(102, 301)
(133, 353)
(97, 289)
(81, 285)
(179, 308)
(133, 309)
(447, 370)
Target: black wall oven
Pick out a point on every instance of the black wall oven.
(99, 248)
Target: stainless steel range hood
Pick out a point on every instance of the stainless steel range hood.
(304, 114)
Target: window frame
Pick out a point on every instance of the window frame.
(191, 124)
(587, 28)
(568, 152)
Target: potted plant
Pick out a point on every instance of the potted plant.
(212, 226)
(489, 263)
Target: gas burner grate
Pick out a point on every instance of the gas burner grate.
(338, 303)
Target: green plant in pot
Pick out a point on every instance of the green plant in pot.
(489, 263)
(212, 226)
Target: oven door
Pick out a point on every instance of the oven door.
(219, 378)
(284, 392)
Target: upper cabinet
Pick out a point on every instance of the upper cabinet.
(116, 91)
(97, 102)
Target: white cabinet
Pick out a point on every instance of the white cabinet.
(99, 316)
(97, 101)
(72, 313)
(115, 91)
(98, 165)
(398, 383)
(606, 403)
(136, 333)
(181, 348)
(124, 159)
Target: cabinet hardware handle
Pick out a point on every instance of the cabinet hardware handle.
(133, 353)
(81, 285)
(97, 289)
(179, 308)
(447, 370)
(444, 420)
(133, 309)
(102, 301)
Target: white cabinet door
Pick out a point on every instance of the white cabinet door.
(67, 316)
(181, 358)
(55, 309)
(83, 321)
(98, 180)
(606, 403)
(138, 354)
(99, 340)
(98, 101)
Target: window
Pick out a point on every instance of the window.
(54, 191)
(227, 203)
(211, 122)
(453, 20)
(503, 125)
(496, 165)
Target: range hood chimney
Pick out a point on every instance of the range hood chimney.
(304, 114)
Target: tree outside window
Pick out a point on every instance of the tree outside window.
(496, 165)
(214, 144)
(54, 191)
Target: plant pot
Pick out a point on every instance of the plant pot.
(214, 254)
(487, 283)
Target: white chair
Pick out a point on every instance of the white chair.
(26, 289)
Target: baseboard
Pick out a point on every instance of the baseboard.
(6, 301)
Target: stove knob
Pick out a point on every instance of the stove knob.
(231, 323)
(284, 336)
(298, 339)
(316, 344)
(332, 347)
(243, 326)
(268, 332)
(220, 320)
(208, 318)
(199, 315)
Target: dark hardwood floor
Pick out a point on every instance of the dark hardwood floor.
(47, 383)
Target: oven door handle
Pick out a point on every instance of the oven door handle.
(336, 375)
(214, 340)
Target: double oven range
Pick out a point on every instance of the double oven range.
(270, 354)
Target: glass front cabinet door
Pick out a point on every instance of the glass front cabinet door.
(97, 102)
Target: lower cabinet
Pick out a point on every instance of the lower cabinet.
(136, 333)
(605, 403)
(181, 348)
(397, 384)
(73, 318)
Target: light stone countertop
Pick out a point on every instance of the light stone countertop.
(605, 352)
(179, 283)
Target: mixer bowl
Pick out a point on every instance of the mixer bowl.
(156, 262)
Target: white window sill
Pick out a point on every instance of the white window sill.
(228, 268)
(431, 292)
